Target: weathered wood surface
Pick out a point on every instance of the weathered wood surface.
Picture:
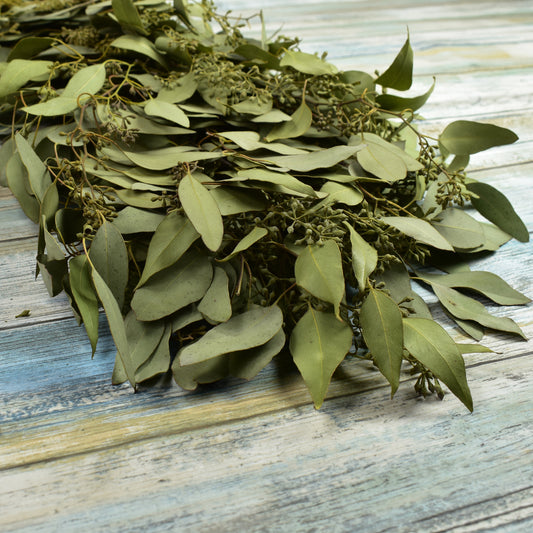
(77, 454)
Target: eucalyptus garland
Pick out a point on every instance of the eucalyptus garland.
(226, 199)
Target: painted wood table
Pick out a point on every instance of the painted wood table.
(77, 454)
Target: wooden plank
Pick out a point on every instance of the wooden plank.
(360, 464)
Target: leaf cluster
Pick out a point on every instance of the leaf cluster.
(226, 199)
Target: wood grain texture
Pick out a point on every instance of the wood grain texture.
(77, 454)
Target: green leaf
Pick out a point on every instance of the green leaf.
(172, 238)
(216, 304)
(258, 56)
(338, 193)
(109, 256)
(231, 200)
(143, 338)
(165, 158)
(371, 139)
(29, 47)
(466, 308)
(381, 325)
(54, 107)
(141, 45)
(168, 111)
(464, 137)
(429, 343)
(472, 348)
(159, 360)
(202, 210)
(248, 363)
(364, 258)
(256, 234)
(17, 181)
(134, 220)
(128, 16)
(486, 283)
(318, 270)
(420, 230)
(249, 140)
(38, 177)
(84, 295)
(394, 103)
(307, 63)
(179, 285)
(459, 228)
(494, 206)
(382, 162)
(116, 324)
(475, 330)
(400, 74)
(318, 344)
(398, 286)
(21, 71)
(297, 126)
(281, 179)
(81, 87)
(188, 377)
(183, 89)
(307, 162)
(87, 81)
(241, 332)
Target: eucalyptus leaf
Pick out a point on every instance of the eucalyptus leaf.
(391, 102)
(173, 288)
(241, 332)
(143, 338)
(158, 362)
(297, 126)
(84, 295)
(38, 177)
(400, 74)
(232, 200)
(21, 71)
(216, 303)
(381, 325)
(167, 111)
(318, 270)
(134, 220)
(165, 158)
(307, 162)
(429, 343)
(109, 256)
(466, 308)
(172, 238)
(139, 44)
(464, 137)
(247, 364)
(128, 16)
(486, 283)
(364, 258)
(494, 206)
(420, 230)
(459, 228)
(116, 325)
(307, 63)
(202, 210)
(318, 344)
(17, 180)
(382, 162)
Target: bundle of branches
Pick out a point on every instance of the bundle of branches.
(226, 199)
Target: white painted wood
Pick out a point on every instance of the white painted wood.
(77, 454)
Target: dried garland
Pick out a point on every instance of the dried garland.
(227, 199)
